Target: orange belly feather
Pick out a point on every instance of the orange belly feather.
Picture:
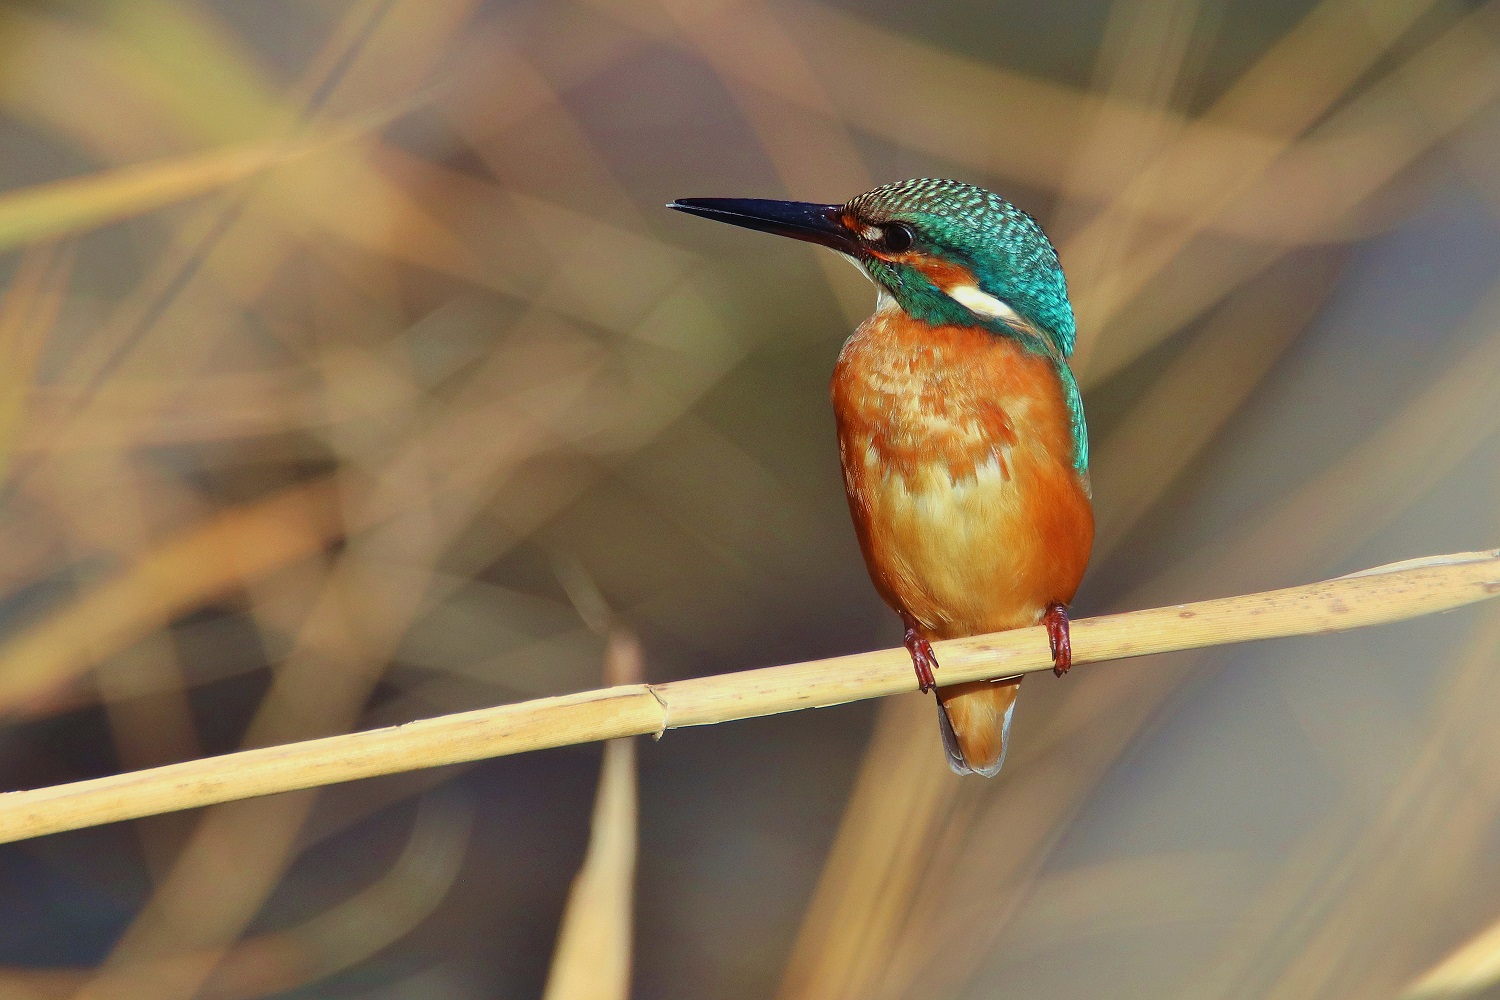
(957, 457)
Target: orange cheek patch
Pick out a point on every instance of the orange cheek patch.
(943, 274)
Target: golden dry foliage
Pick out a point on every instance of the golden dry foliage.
(336, 333)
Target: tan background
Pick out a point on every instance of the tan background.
(359, 363)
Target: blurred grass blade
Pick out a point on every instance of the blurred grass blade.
(202, 73)
(374, 918)
(1210, 377)
(323, 945)
(1259, 92)
(890, 835)
(592, 958)
(27, 313)
(1473, 968)
(184, 573)
(47, 211)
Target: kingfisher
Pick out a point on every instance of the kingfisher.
(960, 426)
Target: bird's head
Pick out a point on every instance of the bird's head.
(947, 252)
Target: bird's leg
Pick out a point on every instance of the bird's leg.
(1058, 637)
(922, 659)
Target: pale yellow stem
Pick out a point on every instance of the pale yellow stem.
(1385, 594)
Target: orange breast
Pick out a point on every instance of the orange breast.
(957, 457)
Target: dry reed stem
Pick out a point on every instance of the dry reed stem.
(1385, 594)
(592, 958)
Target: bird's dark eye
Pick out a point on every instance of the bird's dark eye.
(897, 237)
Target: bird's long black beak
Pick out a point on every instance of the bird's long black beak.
(821, 224)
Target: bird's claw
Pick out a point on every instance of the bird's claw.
(923, 660)
(1058, 637)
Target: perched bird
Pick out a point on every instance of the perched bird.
(960, 426)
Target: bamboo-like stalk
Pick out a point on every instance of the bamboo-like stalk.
(1384, 594)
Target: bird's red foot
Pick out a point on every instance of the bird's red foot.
(1058, 637)
(923, 660)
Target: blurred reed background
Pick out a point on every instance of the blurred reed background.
(354, 373)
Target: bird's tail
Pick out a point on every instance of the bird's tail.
(975, 720)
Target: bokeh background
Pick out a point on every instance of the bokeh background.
(354, 373)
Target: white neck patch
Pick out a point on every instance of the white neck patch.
(978, 302)
(982, 303)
